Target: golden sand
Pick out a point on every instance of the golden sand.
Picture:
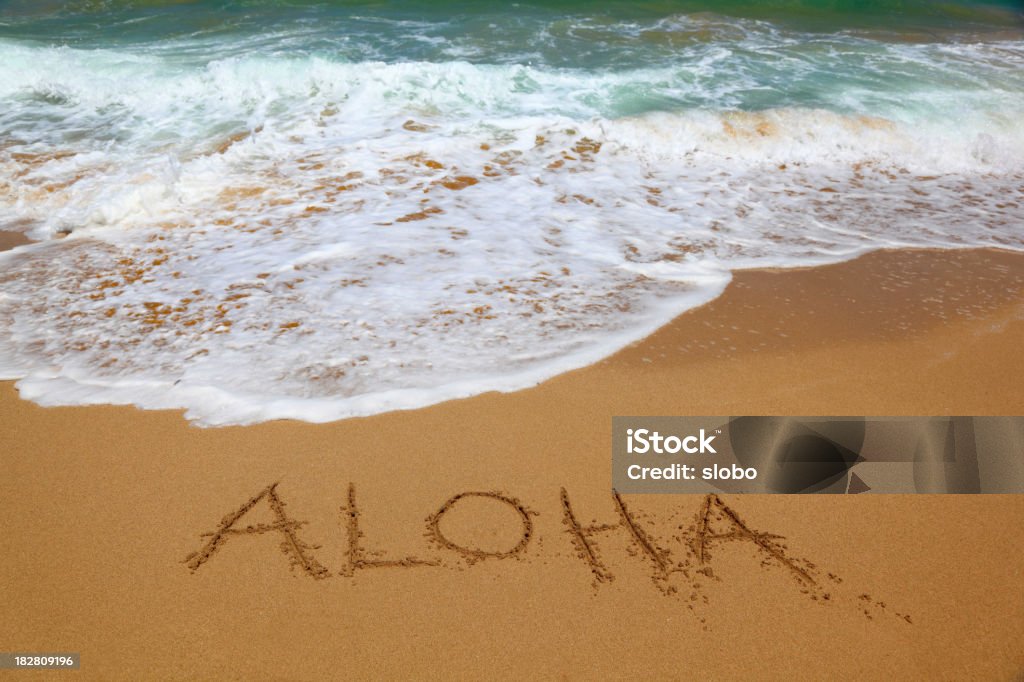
(480, 538)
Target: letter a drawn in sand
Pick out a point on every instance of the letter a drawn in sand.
(298, 552)
(714, 510)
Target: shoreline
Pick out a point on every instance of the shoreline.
(891, 294)
(106, 507)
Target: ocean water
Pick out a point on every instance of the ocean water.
(260, 210)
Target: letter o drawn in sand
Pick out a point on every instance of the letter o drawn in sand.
(473, 553)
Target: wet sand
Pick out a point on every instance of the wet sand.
(365, 561)
(9, 240)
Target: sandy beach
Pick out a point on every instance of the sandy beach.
(446, 542)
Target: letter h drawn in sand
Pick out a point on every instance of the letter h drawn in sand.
(583, 539)
(298, 552)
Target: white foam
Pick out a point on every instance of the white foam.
(300, 238)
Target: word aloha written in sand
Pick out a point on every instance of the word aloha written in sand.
(714, 523)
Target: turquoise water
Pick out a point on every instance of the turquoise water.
(386, 204)
(902, 58)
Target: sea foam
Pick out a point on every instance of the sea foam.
(255, 238)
